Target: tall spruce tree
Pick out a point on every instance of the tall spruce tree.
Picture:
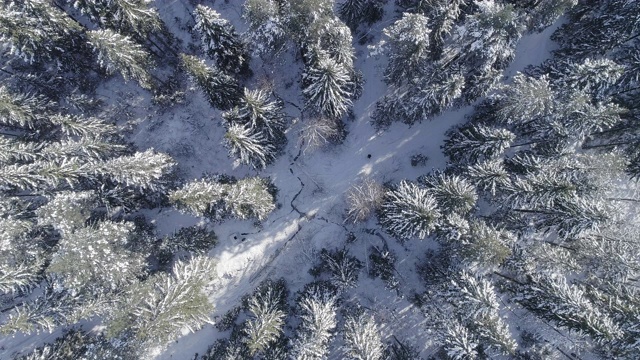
(119, 53)
(220, 40)
(408, 211)
(221, 89)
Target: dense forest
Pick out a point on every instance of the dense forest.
(319, 179)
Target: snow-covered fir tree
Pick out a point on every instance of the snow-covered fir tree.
(330, 37)
(221, 89)
(318, 324)
(199, 198)
(144, 170)
(250, 197)
(96, 259)
(478, 305)
(24, 110)
(76, 125)
(407, 46)
(526, 99)
(299, 15)
(131, 17)
(543, 13)
(161, 307)
(35, 30)
(249, 146)
(473, 143)
(67, 210)
(119, 53)
(595, 28)
(343, 267)
(327, 86)
(220, 40)
(486, 245)
(266, 320)
(409, 210)
(443, 16)
(421, 98)
(362, 338)
(246, 198)
(489, 176)
(267, 30)
(453, 193)
(484, 45)
(458, 343)
(553, 298)
(353, 12)
(261, 114)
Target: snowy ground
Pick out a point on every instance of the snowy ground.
(287, 243)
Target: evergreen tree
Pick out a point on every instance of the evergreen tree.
(443, 15)
(330, 37)
(484, 45)
(95, 260)
(220, 41)
(327, 87)
(249, 147)
(199, 197)
(453, 193)
(489, 176)
(221, 89)
(299, 15)
(473, 143)
(250, 198)
(548, 186)
(478, 302)
(67, 211)
(551, 297)
(119, 53)
(407, 48)
(486, 245)
(263, 116)
(316, 133)
(344, 268)
(318, 323)
(165, 304)
(421, 98)
(362, 339)
(144, 170)
(35, 30)
(246, 198)
(267, 319)
(545, 12)
(459, 344)
(19, 277)
(267, 30)
(22, 110)
(354, 12)
(409, 211)
(12, 151)
(526, 99)
(130, 17)
(595, 28)
(74, 125)
(89, 150)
